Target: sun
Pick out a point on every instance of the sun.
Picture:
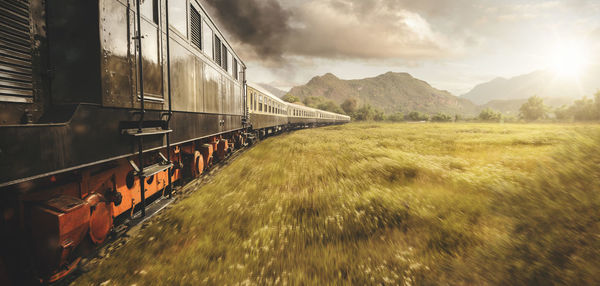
(569, 59)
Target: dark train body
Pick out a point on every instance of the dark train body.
(81, 145)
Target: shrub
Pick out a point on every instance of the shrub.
(533, 109)
(440, 117)
(290, 98)
(417, 116)
(396, 117)
(489, 114)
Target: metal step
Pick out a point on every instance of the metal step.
(136, 132)
(152, 169)
(155, 169)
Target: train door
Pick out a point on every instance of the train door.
(152, 65)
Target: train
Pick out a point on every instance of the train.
(106, 104)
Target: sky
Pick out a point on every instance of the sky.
(452, 44)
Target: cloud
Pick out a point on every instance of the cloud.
(362, 30)
(260, 25)
(350, 29)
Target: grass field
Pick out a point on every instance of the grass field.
(385, 204)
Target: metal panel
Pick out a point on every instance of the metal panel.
(212, 97)
(153, 72)
(16, 84)
(116, 65)
(182, 78)
(199, 81)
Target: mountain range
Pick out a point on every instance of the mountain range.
(390, 92)
(401, 92)
(545, 84)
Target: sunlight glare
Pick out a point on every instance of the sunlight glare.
(569, 59)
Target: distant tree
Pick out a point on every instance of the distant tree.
(379, 115)
(417, 116)
(313, 101)
(367, 113)
(290, 98)
(330, 106)
(350, 105)
(563, 113)
(489, 114)
(441, 117)
(396, 117)
(533, 109)
(584, 109)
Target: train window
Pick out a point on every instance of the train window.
(178, 16)
(195, 27)
(217, 54)
(149, 8)
(229, 63)
(225, 56)
(235, 69)
(207, 39)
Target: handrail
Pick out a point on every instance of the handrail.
(169, 93)
(142, 108)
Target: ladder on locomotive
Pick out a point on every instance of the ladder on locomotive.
(146, 128)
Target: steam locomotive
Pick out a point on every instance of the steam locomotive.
(102, 107)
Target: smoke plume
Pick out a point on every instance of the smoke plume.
(261, 24)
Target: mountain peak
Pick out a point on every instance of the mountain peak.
(329, 76)
(391, 92)
(395, 74)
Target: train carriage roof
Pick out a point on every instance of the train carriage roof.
(265, 92)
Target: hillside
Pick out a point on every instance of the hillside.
(273, 90)
(542, 83)
(391, 92)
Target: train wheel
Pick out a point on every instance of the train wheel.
(193, 164)
(198, 163)
(101, 221)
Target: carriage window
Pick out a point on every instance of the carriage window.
(229, 63)
(149, 8)
(225, 56)
(235, 69)
(178, 15)
(195, 27)
(207, 39)
(260, 103)
(217, 57)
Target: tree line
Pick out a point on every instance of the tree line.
(585, 109)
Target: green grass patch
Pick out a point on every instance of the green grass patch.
(391, 204)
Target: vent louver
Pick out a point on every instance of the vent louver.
(196, 28)
(217, 50)
(16, 83)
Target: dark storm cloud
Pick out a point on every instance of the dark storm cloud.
(365, 29)
(260, 24)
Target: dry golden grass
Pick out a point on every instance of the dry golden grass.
(392, 204)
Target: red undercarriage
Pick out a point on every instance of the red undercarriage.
(77, 210)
